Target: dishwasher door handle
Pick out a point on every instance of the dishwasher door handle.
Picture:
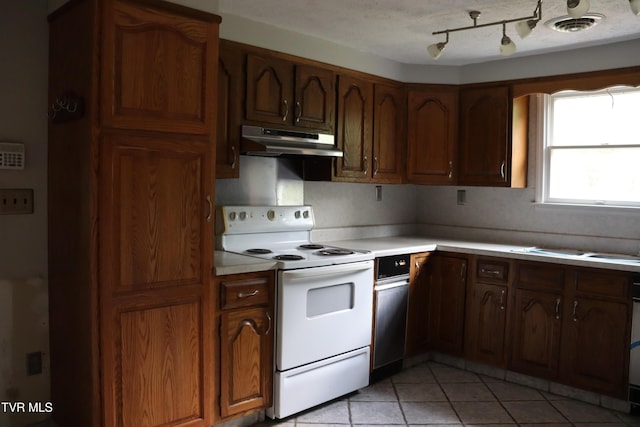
(383, 286)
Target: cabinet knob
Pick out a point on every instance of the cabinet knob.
(502, 299)
(234, 155)
(286, 110)
(248, 294)
(558, 308)
(375, 165)
(298, 111)
(450, 169)
(366, 164)
(208, 198)
(502, 169)
(575, 308)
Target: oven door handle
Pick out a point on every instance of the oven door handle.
(329, 270)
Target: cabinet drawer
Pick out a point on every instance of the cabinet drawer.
(607, 283)
(540, 276)
(493, 271)
(244, 293)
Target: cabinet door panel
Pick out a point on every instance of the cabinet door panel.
(485, 137)
(486, 324)
(246, 360)
(447, 304)
(388, 145)
(159, 364)
(417, 316)
(596, 346)
(269, 90)
(155, 213)
(355, 109)
(432, 136)
(315, 98)
(154, 71)
(536, 333)
(230, 94)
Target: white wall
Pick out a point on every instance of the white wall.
(23, 238)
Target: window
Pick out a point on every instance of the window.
(591, 153)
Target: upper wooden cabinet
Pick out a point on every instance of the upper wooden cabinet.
(156, 70)
(355, 127)
(283, 93)
(230, 95)
(370, 131)
(493, 137)
(432, 135)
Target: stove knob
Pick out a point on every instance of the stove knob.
(271, 214)
(297, 214)
(232, 216)
(305, 214)
(242, 216)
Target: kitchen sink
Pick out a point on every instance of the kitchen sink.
(580, 254)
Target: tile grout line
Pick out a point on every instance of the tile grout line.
(395, 391)
(483, 382)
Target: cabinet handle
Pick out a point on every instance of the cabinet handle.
(558, 308)
(366, 164)
(270, 322)
(375, 165)
(235, 156)
(417, 265)
(210, 208)
(286, 110)
(450, 169)
(490, 272)
(575, 307)
(298, 111)
(502, 169)
(248, 294)
(502, 300)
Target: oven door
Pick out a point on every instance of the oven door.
(323, 312)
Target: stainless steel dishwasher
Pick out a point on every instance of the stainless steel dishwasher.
(391, 295)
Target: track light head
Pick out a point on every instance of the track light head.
(577, 8)
(635, 7)
(435, 50)
(524, 28)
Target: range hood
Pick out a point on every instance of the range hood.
(259, 141)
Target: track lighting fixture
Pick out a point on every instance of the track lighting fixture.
(507, 46)
(635, 7)
(577, 8)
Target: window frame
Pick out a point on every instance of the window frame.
(544, 129)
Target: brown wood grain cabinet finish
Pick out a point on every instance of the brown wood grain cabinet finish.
(280, 92)
(355, 127)
(446, 307)
(432, 135)
(246, 343)
(488, 311)
(388, 134)
(131, 187)
(417, 317)
(577, 333)
(230, 95)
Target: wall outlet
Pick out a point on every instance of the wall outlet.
(16, 201)
(34, 363)
(378, 193)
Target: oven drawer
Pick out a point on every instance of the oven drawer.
(244, 292)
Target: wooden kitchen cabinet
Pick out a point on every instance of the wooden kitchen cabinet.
(388, 134)
(488, 308)
(417, 317)
(283, 93)
(493, 137)
(355, 128)
(230, 95)
(130, 227)
(572, 325)
(432, 135)
(446, 306)
(246, 343)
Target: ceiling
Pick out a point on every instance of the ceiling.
(400, 30)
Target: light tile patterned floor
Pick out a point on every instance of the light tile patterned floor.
(432, 394)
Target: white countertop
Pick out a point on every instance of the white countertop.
(228, 263)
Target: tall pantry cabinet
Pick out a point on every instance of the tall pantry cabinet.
(131, 176)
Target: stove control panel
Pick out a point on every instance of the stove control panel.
(261, 219)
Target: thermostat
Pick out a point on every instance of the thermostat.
(11, 155)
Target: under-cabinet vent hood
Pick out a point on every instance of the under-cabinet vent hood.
(259, 141)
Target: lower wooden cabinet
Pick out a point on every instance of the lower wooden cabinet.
(577, 334)
(446, 306)
(246, 343)
(417, 317)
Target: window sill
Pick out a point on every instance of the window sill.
(595, 209)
